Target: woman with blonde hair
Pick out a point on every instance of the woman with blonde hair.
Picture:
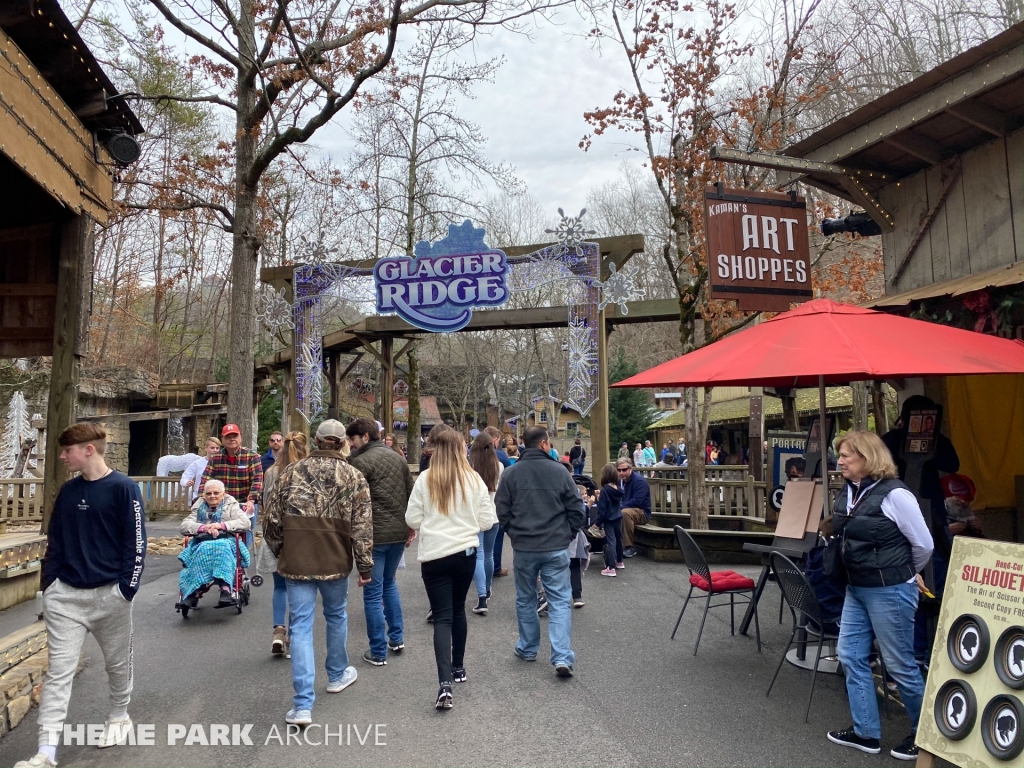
(450, 505)
(885, 544)
(296, 446)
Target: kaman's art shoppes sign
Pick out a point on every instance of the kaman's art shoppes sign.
(439, 288)
(757, 248)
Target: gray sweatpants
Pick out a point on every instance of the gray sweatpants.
(71, 614)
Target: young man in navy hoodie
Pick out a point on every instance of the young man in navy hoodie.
(96, 548)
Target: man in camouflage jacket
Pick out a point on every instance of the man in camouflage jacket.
(318, 521)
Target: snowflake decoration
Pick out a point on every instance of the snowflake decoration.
(274, 312)
(571, 235)
(309, 368)
(620, 287)
(581, 351)
(317, 254)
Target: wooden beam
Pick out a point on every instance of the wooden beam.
(350, 366)
(795, 165)
(92, 104)
(980, 116)
(864, 198)
(28, 289)
(75, 253)
(953, 92)
(926, 222)
(26, 334)
(916, 145)
(409, 346)
(198, 410)
(15, 12)
(387, 383)
(633, 243)
(42, 136)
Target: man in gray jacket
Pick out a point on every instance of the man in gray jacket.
(390, 485)
(539, 506)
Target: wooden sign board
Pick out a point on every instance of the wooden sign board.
(758, 250)
(972, 713)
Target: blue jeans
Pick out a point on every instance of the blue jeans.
(885, 614)
(301, 605)
(280, 599)
(381, 601)
(577, 470)
(485, 561)
(499, 545)
(553, 568)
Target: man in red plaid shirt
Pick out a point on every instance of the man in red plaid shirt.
(239, 469)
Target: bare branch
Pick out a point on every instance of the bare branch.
(196, 35)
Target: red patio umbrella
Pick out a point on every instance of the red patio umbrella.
(824, 342)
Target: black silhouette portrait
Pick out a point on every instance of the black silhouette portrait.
(1006, 725)
(968, 642)
(956, 705)
(1017, 662)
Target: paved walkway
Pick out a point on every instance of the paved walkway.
(638, 699)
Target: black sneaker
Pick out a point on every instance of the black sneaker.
(396, 647)
(542, 607)
(481, 608)
(849, 738)
(488, 594)
(564, 670)
(629, 552)
(906, 749)
(444, 697)
(375, 660)
(459, 674)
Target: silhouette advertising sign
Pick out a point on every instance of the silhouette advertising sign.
(972, 714)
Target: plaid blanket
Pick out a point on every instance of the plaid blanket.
(207, 561)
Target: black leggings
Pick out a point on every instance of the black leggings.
(447, 581)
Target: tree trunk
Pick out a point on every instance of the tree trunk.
(695, 487)
(860, 405)
(413, 431)
(245, 239)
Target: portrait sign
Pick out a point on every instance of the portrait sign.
(972, 714)
(439, 288)
(758, 249)
(922, 427)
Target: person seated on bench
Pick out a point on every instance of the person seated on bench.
(636, 503)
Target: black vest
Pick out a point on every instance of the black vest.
(875, 552)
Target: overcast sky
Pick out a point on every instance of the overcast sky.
(533, 112)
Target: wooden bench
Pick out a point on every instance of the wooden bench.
(716, 522)
(659, 544)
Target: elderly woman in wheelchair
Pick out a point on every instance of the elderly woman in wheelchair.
(216, 552)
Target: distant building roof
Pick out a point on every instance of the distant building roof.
(429, 413)
(837, 399)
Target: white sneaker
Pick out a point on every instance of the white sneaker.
(36, 761)
(347, 678)
(115, 732)
(299, 717)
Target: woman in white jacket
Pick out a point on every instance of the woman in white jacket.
(449, 506)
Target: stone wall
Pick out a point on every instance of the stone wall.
(102, 390)
(21, 685)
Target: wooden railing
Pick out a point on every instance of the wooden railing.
(163, 495)
(711, 474)
(729, 498)
(21, 498)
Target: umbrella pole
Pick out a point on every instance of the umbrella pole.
(824, 444)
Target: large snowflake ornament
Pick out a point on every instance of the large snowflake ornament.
(620, 287)
(274, 312)
(309, 368)
(571, 234)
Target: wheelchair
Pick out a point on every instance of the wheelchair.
(239, 586)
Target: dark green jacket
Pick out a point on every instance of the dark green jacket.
(390, 485)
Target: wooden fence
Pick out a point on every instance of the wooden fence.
(21, 498)
(163, 495)
(730, 498)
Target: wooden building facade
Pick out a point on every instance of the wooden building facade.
(57, 108)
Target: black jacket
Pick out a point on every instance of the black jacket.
(538, 504)
(875, 551)
(609, 505)
(390, 485)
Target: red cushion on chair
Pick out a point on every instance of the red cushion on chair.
(722, 581)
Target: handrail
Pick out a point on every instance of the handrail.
(21, 498)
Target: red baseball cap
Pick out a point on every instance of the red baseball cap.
(230, 429)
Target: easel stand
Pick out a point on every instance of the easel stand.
(925, 759)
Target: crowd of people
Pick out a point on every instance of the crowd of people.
(350, 507)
